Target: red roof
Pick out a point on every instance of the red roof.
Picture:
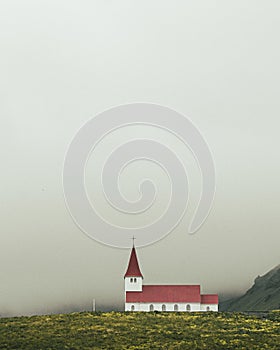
(133, 266)
(209, 299)
(165, 294)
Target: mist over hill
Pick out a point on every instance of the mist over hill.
(263, 295)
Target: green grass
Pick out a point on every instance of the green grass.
(119, 330)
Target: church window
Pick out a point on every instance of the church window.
(208, 308)
(131, 280)
(132, 307)
(135, 280)
(151, 307)
(176, 307)
(188, 307)
(163, 307)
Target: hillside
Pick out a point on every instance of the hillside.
(263, 295)
(120, 330)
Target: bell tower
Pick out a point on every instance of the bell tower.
(133, 278)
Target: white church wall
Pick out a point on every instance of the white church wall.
(133, 284)
(212, 307)
(182, 307)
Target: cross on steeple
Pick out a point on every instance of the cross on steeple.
(133, 239)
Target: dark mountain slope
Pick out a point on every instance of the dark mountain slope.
(263, 295)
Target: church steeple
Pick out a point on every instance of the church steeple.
(133, 269)
(133, 276)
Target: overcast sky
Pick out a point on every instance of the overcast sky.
(61, 63)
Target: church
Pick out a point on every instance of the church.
(140, 297)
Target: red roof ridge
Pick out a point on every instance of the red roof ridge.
(209, 298)
(171, 285)
(165, 293)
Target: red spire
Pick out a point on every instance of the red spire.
(133, 266)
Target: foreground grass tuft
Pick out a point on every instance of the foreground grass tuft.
(118, 330)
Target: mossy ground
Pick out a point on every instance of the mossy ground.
(119, 330)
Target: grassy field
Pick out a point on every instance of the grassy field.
(118, 330)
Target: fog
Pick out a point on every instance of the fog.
(61, 63)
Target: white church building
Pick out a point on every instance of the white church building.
(140, 297)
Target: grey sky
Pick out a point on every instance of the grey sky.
(62, 62)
